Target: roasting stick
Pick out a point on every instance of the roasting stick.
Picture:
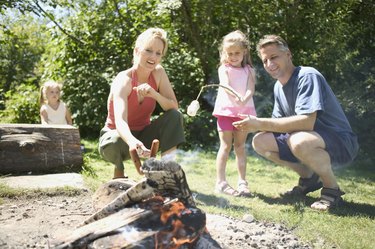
(154, 148)
(217, 85)
(135, 157)
(194, 105)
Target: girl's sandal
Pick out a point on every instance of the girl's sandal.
(243, 189)
(330, 198)
(225, 188)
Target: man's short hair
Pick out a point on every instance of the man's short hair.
(272, 39)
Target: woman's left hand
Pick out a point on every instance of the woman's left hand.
(144, 90)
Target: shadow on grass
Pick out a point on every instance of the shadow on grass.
(215, 201)
(299, 203)
(345, 209)
(355, 209)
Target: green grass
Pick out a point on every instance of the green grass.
(8, 192)
(351, 226)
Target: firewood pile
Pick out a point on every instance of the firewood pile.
(157, 212)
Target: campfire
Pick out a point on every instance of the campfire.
(157, 212)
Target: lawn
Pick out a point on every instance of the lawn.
(351, 226)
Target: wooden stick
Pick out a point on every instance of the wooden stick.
(217, 85)
(137, 162)
(154, 148)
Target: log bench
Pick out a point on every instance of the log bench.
(38, 148)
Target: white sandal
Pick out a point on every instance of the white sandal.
(243, 188)
(225, 188)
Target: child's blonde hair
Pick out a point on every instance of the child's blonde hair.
(236, 38)
(43, 90)
(150, 34)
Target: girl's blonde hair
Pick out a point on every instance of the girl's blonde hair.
(150, 34)
(236, 38)
(43, 90)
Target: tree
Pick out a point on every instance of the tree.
(22, 45)
(94, 41)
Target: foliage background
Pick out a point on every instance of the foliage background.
(85, 43)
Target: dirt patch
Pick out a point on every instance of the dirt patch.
(37, 222)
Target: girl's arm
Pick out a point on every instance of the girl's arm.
(43, 115)
(250, 86)
(68, 116)
(224, 80)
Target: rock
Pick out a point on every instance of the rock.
(248, 218)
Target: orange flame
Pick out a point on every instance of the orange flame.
(178, 236)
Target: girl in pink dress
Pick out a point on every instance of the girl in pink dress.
(237, 73)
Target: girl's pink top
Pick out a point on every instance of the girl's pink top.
(139, 114)
(225, 104)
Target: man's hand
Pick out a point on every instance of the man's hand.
(248, 123)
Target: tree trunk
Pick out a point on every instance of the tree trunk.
(39, 148)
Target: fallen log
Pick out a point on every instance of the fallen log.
(39, 148)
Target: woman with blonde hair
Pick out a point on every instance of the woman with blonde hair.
(131, 102)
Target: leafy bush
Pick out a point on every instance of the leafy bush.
(96, 39)
(22, 105)
(200, 131)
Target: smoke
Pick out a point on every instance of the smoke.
(186, 158)
(131, 234)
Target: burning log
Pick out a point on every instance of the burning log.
(162, 178)
(150, 224)
(133, 195)
(109, 191)
(168, 179)
(157, 212)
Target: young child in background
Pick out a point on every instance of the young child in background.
(53, 110)
(236, 73)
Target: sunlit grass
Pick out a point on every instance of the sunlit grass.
(8, 192)
(351, 226)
